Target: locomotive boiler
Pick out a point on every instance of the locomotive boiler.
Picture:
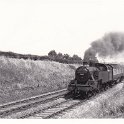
(94, 77)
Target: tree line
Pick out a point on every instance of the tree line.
(64, 58)
(52, 56)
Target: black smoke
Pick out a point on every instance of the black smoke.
(110, 45)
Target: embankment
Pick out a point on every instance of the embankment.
(24, 78)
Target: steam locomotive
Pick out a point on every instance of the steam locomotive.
(93, 77)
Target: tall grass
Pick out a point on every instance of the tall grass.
(24, 78)
(113, 107)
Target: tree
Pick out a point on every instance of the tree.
(76, 57)
(60, 55)
(52, 54)
(66, 56)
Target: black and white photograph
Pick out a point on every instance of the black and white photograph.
(61, 59)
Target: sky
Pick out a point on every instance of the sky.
(66, 26)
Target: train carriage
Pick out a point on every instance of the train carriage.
(118, 72)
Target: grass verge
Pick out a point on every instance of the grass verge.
(113, 107)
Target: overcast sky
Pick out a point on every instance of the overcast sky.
(67, 26)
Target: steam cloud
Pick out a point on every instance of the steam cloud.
(110, 45)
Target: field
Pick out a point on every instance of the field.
(25, 78)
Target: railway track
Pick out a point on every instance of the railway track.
(48, 111)
(50, 105)
(57, 110)
(25, 104)
(53, 111)
(45, 108)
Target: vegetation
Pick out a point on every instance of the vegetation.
(114, 107)
(21, 78)
(52, 56)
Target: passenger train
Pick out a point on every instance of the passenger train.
(93, 77)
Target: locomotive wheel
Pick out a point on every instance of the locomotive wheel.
(75, 93)
(107, 86)
(90, 94)
(121, 78)
(98, 87)
(94, 92)
(118, 80)
(112, 83)
(83, 95)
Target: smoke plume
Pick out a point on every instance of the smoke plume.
(110, 45)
